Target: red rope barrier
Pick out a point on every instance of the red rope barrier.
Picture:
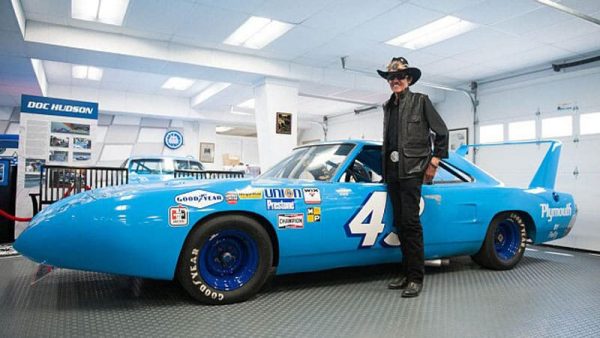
(14, 218)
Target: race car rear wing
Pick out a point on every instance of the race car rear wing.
(545, 176)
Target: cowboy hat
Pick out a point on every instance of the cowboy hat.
(399, 65)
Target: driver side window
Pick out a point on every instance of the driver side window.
(366, 167)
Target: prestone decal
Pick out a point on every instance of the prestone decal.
(291, 221)
(199, 199)
(178, 216)
(550, 213)
(281, 204)
(312, 196)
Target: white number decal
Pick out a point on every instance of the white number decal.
(374, 207)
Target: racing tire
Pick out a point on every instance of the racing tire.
(504, 243)
(225, 260)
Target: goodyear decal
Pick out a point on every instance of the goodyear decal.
(199, 199)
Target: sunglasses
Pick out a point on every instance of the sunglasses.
(399, 76)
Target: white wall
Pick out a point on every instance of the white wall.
(520, 100)
(244, 147)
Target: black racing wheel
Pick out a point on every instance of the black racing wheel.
(504, 242)
(225, 260)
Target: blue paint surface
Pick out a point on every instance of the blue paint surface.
(126, 230)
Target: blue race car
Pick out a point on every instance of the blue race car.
(322, 207)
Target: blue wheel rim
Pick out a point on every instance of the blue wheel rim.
(228, 260)
(507, 239)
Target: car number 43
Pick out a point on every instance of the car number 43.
(368, 221)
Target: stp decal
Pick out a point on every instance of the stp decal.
(199, 199)
(312, 196)
(290, 221)
(178, 216)
(313, 215)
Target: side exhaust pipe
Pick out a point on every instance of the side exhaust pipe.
(438, 262)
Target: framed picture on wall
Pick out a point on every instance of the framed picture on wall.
(284, 123)
(457, 137)
(207, 152)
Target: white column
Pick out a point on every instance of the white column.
(273, 96)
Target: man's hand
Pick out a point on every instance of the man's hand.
(431, 170)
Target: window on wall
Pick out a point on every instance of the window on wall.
(557, 126)
(491, 133)
(523, 130)
(589, 123)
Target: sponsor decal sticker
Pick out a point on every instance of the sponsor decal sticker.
(281, 204)
(550, 213)
(283, 193)
(178, 216)
(313, 215)
(312, 195)
(199, 199)
(291, 221)
(250, 194)
(344, 192)
(231, 197)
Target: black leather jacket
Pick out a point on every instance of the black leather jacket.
(416, 144)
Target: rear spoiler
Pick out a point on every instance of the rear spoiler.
(545, 177)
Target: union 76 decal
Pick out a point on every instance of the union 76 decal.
(368, 221)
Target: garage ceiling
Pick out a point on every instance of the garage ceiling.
(160, 39)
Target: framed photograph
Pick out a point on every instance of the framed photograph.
(207, 152)
(457, 137)
(284, 123)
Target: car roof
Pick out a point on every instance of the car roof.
(349, 141)
(161, 157)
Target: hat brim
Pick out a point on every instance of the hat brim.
(414, 73)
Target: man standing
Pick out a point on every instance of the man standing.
(415, 138)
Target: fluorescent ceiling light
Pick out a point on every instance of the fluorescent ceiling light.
(221, 129)
(110, 12)
(86, 72)
(237, 112)
(211, 90)
(257, 32)
(439, 30)
(178, 83)
(247, 104)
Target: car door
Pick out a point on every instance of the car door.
(356, 220)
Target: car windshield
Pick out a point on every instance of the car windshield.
(188, 165)
(150, 167)
(315, 163)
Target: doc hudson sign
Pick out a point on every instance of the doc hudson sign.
(58, 107)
